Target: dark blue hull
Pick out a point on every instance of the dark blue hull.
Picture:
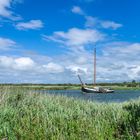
(100, 90)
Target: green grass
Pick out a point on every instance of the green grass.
(25, 115)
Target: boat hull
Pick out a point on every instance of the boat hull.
(87, 90)
(94, 90)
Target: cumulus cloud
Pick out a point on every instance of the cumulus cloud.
(122, 49)
(77, 70)
(32, 24)
(76, 37)
(120, 62)
(136, 72)
(114, 64)
(5, 10)
(77, 10)
(27, 69)
(110, 24)
(53, 68)
(81, 60)
(91, 21)
(94, 21)
(28, 64)
(22, 63)
(6, 44)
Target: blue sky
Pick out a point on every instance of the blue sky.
(51, 41)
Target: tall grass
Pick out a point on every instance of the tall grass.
(26, 115)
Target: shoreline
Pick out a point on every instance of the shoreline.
(61, 87)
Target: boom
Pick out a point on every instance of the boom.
(80, 80)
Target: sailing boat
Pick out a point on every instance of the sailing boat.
(95, 89)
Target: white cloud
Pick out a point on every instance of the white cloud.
(27, 69)
(110, 24)
(5, 10)
(77, 10)
(81, 60)
(136, 72)
(77, 70)
(76, 37)
(122, 49)
(94, 21)
(6, 61)
(32, 24)
(91, 21)
(28, 64)
(118, 63)
(21, 63)
(6, 44)
(53, 68)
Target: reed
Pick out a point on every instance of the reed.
(29, 115)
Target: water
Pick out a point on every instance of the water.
(117, 96)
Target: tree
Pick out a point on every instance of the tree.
(133, 81)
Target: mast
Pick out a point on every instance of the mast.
(94, 67)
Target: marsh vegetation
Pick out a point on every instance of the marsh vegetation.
(25, 114)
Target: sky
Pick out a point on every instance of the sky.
(51, 41)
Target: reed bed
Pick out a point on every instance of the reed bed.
(29, 115)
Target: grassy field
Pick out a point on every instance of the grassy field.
(25, 115)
